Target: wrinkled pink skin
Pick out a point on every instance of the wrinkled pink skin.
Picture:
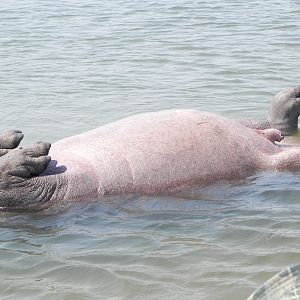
(273, 135)
(155, 153)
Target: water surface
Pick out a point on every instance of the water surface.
(69, 66)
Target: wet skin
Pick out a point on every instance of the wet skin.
(283, 114)
(152, 153)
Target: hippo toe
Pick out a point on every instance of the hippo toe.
(17, 168)
(10, 140)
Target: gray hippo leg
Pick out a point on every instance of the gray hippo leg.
(283, 114)
(25, 162)
(10, 140)
(18, 169)
(285, 110)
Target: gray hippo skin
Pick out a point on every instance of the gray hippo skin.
(146, 154)
(10, 140)
(283, 114)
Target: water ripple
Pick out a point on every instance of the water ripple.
(73, 65)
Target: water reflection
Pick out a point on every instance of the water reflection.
(228, 235)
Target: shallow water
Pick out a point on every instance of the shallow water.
(69, 66)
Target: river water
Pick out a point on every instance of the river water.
(68, 66)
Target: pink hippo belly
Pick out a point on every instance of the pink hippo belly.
(153, 153)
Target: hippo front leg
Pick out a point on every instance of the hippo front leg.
(10, 140)
(271, 134)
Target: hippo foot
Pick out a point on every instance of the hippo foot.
(25, 162)
(18, 171)
(271, 134)
(10, 140)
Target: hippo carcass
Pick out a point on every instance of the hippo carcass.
(147, 154)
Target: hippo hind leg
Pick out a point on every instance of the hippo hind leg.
(10, 140)
(26, 162)
(17, 169)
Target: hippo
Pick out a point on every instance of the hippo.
(283, 113)
(151, 153)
